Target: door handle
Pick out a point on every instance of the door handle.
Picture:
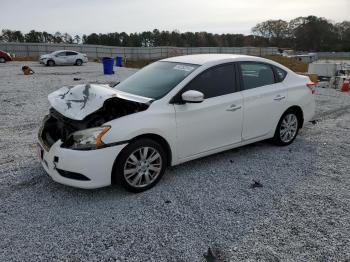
(279, 97)
(233, 108)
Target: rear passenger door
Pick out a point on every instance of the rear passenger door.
(71, 57)
(264, 98)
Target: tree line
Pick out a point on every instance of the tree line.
(33, 36)
(303, 33)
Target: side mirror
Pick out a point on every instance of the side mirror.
(192, 96)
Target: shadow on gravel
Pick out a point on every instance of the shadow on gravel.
(187, 171)
(230, 155)
(36, 179)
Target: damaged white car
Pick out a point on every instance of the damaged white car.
(169, 112)
(63, 57)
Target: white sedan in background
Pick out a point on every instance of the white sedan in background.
(170, 112)
(63, 57)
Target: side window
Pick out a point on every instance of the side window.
(61, 54)
(256, 74)
(280, 74)
(216, 81)
(71, 53)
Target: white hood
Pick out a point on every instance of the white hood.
(77, 102)
(45, 56)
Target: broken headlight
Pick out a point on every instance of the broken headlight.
(89, 138)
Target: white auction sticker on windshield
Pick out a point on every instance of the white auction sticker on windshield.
(184, 68)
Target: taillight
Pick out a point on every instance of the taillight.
(312, 86)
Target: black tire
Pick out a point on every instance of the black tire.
(2, 60)
(278, 137)
(79, 62)
(120, 163)
(50, 63)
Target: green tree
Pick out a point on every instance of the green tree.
(11, 36)
(343, 30)
(34, 37)
(58, 38)
(77, 39)
(313, 34)
(274, 30)
(67, 38)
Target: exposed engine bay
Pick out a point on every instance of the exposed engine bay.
(58, 126)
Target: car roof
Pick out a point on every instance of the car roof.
(212, 59)
(201, 59)
(58, 51)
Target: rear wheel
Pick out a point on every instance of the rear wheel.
(287, 128)
(79, 62)
(50, 63)
(140, 165)
(2, 60)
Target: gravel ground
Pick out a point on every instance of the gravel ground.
(300, 212)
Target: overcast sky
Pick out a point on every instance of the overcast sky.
(102, 16)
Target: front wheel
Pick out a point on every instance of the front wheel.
(287, 129)
(50, 63)
(140, 165)
(2, 60)
(79, 62)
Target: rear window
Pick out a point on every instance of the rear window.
(71, 53)
(280, 74)
(256, 74)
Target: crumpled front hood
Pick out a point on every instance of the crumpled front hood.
(77, 102)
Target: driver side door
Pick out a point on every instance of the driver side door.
(217, 121)
(61, 58)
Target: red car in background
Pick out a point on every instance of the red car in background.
(5, 57)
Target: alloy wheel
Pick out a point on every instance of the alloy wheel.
(289, 128)
(142, 167)
(50, 63)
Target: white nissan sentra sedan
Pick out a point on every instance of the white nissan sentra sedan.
(63, 57)
(169, 112)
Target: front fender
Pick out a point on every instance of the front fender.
(157, 121)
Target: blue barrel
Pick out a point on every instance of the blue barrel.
(119, 61)
(108, 64)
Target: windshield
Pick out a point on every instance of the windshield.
(157, 79)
